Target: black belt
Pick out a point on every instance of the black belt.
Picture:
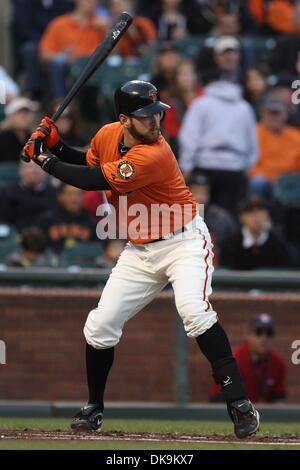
(172, 234)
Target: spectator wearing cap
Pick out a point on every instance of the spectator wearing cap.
(16, 128)
(229, 51)
(218, 138)
(224, 53)
(279, 147)
(282, 89)
(262, 368)
(255, 245)
(220, 223)
(227, 58)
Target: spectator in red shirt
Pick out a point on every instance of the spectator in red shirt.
(91, 201)
(262, 368)
(140, 37)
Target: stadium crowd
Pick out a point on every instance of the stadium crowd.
(230, 71)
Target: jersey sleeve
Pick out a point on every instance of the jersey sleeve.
(91, 156)
(139, 168)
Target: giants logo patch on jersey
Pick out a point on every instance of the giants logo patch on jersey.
(126, 170)
(153, 95)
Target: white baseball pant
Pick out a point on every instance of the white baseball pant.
(142, 271)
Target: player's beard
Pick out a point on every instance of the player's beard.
(149, 138)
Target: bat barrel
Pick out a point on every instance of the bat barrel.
(109, 41)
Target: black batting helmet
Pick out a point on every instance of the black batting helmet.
(139, 99)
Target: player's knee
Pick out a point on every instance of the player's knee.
(101, 333)
(197, 317)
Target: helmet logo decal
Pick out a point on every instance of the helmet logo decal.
(153, 95)
(126, 170)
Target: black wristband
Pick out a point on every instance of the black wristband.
(48, 164)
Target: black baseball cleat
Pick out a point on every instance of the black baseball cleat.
(89, 418)
(245, 418)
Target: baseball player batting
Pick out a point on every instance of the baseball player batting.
(130, 158)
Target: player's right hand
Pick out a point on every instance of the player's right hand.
(45, 136)
(32, 149)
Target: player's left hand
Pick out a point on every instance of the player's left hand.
(48, 131)
(46, 135)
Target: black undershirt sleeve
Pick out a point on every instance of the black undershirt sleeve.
(68, 154)
(89, 178)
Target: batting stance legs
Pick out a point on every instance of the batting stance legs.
(141, 272)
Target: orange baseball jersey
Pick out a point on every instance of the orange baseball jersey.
(66, 31)
(279, 14)
(279, 152)
(149, 175)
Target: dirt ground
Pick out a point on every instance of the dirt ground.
(59, 435)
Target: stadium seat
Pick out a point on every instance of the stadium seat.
(103, 83)
(7, 248)
(287, 210)
(8, 232)
(287, 190)
(83, 254)
(9, 241)
(264, 48)
(114, 71)
(9, 174)
(189, 45)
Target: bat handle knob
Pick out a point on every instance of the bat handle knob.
(24, 157)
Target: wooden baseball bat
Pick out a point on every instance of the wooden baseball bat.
(109, 41)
